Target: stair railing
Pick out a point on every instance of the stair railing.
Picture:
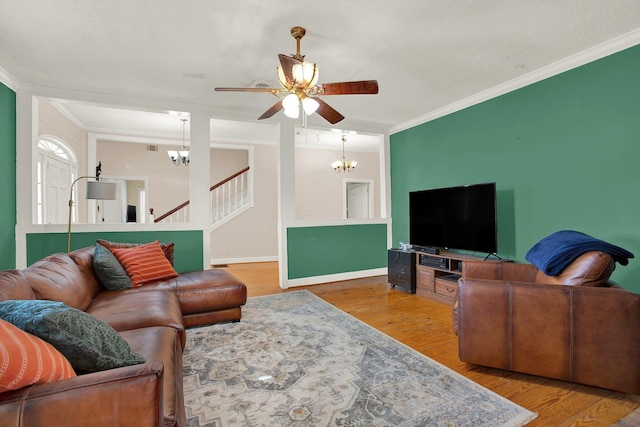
(227, 197)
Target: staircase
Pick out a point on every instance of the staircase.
(228, 199)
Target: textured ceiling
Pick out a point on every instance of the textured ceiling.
(168, 54)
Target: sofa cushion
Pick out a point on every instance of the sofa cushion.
(88, 343)
(109, 270)
(589, 269)
(26, 359)
(138, 308)
(145, 263)
(167, 248)
(84, 260)
(208, 290)
(14, 285)
(58, 278)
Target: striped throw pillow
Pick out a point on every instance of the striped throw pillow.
(145, 263)
(26, 359)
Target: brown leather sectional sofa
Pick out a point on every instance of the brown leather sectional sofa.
(151, 319)
(577, 326)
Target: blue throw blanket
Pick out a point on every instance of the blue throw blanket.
(556, 251)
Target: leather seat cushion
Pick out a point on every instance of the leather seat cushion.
(125, 311)
(209, 290)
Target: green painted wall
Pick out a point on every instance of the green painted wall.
(187, 252)
(319, 251)
(7, 178)
(564, 153)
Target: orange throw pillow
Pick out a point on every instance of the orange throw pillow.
(145, 263)
(26, 359)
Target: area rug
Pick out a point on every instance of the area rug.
(296, 360)
(631, 420)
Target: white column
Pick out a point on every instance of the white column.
(26, 191)
(385, 184)
(26, 143)
(199, 177)
(92, 162)
(286, 193)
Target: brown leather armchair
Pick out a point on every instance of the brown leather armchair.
(576, 327)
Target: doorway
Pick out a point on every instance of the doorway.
(358, 199)
(130, 203)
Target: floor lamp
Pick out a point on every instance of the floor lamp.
(96, 190)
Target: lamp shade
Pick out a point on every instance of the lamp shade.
(310, 105)
(290, 101)
(100, 190)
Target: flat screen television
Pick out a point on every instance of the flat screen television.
(463, 217)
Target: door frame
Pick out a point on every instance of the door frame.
(121, 180)
(345, 195)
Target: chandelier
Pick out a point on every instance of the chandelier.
(181, 156)
(344, 165)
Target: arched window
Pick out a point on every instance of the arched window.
(56, 169)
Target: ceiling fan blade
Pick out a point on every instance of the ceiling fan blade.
(287, 63)
(328, 112)
(243, 89)
(271, 111)
(349, 88)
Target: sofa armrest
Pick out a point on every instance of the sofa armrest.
(580, 334)
(125, 396)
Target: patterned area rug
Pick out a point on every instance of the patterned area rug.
(295, 360)
(631, 420)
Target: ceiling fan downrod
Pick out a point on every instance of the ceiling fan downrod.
(298, 33)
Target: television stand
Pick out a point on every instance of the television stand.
(426, 249)
(437, 274)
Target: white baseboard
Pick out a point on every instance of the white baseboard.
(316, 280)
(305, 281)
(221, 261)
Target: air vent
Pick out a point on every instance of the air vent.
(151, 147)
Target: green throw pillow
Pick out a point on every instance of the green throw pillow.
(89, 344)
(109, 270)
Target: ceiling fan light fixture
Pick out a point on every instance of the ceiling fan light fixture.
(292, 113)
(297, 73)
(290, 101)
(311, 74)
(310, 105)
(291, 106)
(305, 74)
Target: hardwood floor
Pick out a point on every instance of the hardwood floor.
(425, 326)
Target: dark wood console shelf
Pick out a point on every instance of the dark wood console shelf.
(402, 269)
(437, 274)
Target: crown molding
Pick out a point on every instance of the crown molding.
(60, 107)
(8, 80)
(599, 51)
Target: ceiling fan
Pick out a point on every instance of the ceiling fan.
(299, 81)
